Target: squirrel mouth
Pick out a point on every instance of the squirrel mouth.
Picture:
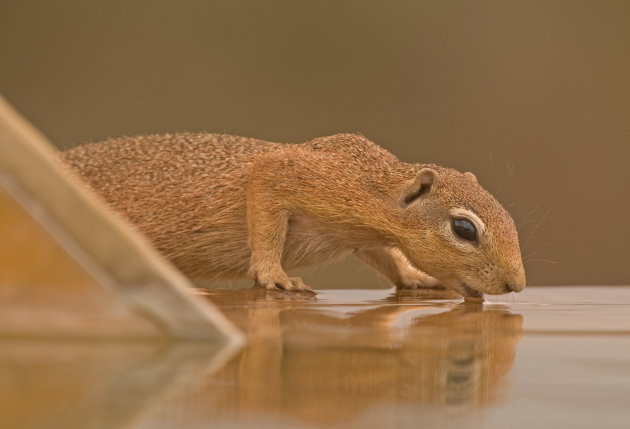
(470, 292)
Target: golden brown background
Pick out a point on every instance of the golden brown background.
(532, 96)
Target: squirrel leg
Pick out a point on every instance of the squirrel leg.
(394, 265)
(267, 235)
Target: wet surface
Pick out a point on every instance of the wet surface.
(549, 357)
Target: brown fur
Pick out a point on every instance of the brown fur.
(221, 206)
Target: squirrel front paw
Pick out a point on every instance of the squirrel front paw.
(282, 282)
(417, 279)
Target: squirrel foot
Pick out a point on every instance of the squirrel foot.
(418, 279)
(282, 282)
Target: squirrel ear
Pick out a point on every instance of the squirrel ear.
(419, 187)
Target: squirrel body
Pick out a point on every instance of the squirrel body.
(221, 206)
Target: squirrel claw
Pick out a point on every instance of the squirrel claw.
(421, 281)
(287, 284)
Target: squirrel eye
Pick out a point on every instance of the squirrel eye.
(465, 229)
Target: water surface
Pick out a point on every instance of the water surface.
(549, 357)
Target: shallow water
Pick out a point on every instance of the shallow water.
(548, 357)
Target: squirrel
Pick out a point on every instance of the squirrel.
(221, 206)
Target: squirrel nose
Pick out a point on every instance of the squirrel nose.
(517, 281)
(514, 287)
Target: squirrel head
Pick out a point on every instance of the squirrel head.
(454, 230)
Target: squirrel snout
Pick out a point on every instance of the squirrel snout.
(516, 283)
(514, 287)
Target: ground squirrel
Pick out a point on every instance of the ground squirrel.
(221, 206)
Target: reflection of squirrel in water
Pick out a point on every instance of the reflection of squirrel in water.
(319, 366)
(221, 206)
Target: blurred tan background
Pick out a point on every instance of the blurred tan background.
(532, 96)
